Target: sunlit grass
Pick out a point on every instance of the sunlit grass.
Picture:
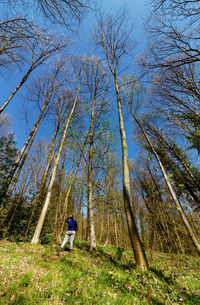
(35, 274)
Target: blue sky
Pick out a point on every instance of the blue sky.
(138, 10)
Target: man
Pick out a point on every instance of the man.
(71, 231)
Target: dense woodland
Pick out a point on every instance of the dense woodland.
(151, 203)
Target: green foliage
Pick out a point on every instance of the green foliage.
(35, 274)
(24, 282)
(8, 152)
(46, 238)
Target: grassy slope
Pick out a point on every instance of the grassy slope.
(35, 274)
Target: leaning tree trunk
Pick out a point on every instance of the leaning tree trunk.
(140, 257)
(21, 164)
(22, 151)
(171, 191)
(45, 174)
(22, 155)
(40, 223)
(23, 80)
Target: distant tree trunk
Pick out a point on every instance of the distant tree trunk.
(92, 237)
(107, 228)
(115, 227)
(79, 205)
(39, 226)
(25, 185)
(102, 223)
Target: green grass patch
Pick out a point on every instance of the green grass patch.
(39, 274)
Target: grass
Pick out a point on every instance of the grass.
(36, 274)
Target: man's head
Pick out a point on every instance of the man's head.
(71, 216)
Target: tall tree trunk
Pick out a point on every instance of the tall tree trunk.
(39, 226)
(89, 185)
(140, 257)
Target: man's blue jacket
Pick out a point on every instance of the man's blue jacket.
(72, 224)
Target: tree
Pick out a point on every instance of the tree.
(162, 229)
(57, 11)
(39, 226)
(187, 8)
(95, 83)
(4, 124)
(41, 46)
(173, 43)
(8, 153)
(129, 94)
(44, 91)
(13, 35)
(63, 11)
(112, 35)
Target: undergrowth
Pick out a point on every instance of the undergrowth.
(36, 274)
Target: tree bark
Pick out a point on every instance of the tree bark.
(92, 237)
(140, 257)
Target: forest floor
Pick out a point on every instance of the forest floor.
(40, 274)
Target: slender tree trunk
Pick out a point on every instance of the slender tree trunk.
(51, 153)
(35, 171)
(23, 80)
(60, 229)
(33, 207)
(44, 178)
(102, 223)
(22, 155)
(140, 257)
(115, 226)
(39, 226)
(50, 158)
(107, 229)
(89, 185)
(20, 165)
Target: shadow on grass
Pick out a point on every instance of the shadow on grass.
(183, 295)
(162, 277)
(99, 252)
(170, 287)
